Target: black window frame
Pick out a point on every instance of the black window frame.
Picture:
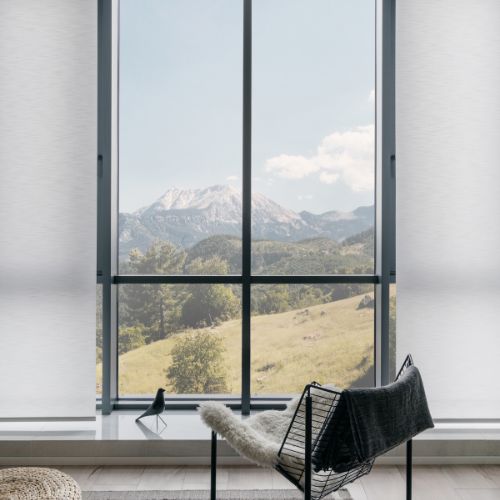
(107, 252)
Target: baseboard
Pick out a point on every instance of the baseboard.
(224, 461)
(457, 460)
(172, 461)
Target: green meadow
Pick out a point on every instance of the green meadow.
(329, 343)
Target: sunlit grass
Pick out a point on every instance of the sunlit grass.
(329, 343)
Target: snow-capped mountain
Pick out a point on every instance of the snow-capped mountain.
(186, 216)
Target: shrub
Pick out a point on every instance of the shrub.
(131, 337)
(198, 364)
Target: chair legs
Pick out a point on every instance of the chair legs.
(307, 459)
(308, 449)
(409, 457)
(213, 467)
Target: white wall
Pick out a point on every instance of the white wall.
(448, 200)
(48, 101)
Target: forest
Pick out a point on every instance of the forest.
(155, 312)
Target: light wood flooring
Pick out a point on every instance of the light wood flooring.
(384, 482)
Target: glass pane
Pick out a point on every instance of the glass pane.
(392, 332)
(302, 333)
(313, 136)
(180, 132)
(98, 342)
(185, 338)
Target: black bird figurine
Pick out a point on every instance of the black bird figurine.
(156, 407)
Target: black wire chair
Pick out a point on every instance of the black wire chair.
(307, 436)
(308, 432)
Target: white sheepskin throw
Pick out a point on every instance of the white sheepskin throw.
(258, 437)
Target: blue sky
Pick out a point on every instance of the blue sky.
(313, 109)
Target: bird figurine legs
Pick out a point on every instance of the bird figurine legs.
(164, 423)
(158, 417)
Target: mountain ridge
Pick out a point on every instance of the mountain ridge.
(187, 216)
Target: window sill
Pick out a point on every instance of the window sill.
(117, 439)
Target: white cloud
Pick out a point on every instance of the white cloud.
(347, 156)
(291, 167)
(328, 177)
(371, 96)
(232, 178)
(304, 197)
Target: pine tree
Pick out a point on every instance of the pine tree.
(153, 308)
(208, 304)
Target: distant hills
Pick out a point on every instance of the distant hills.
(186, 217)
(310, 256)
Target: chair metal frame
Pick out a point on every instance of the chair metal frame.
(316, 408)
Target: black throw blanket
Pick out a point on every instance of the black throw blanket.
(369, 422)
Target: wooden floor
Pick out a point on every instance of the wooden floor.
(384, 482)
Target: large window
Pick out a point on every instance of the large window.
(246, 219)
(313, 136)
(180, 133)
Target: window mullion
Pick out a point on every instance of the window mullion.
(107, 200)
(385, 183)
(247, 205)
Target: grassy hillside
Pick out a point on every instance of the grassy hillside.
(331, 342)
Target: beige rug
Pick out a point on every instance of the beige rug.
(205, 495)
